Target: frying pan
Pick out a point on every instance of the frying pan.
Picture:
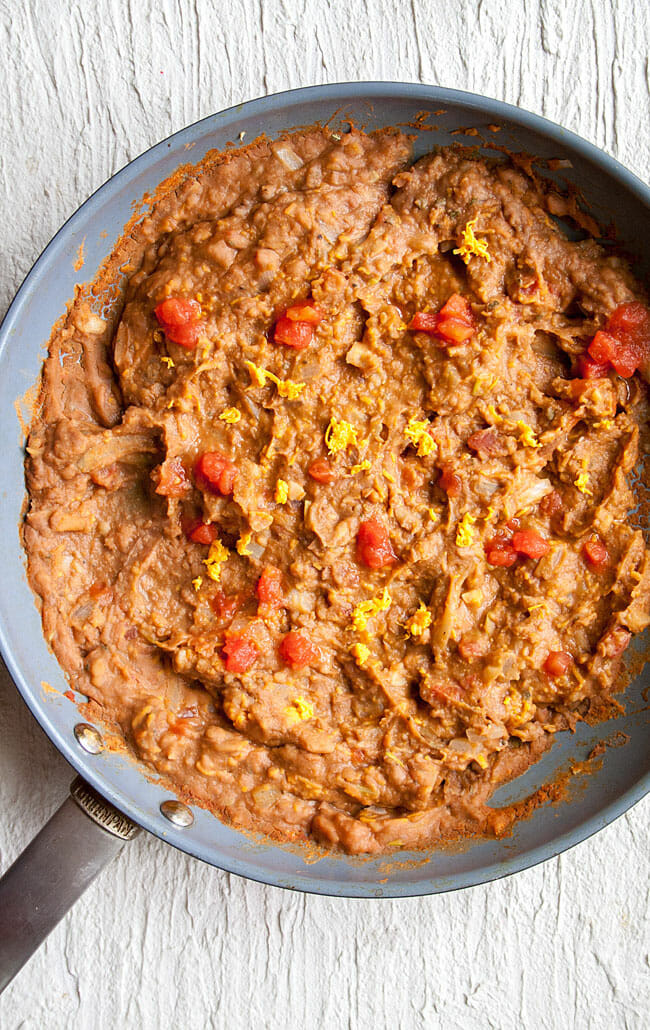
(112, 798)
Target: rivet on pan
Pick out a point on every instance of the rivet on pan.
(177, 813)
(89, 738)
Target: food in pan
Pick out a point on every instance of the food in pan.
(329, 512)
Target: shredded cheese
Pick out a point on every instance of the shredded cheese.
(465, 533)
(231, 415)
(419, 621)
(526, 434)
(581, 482)
(286, 387)
(340, 435)
(281, 491)
(363, 466)
(419, 435)
(472, 245)
(361, 653)
(605, 423)
(217, 555)
(242, 544)
(168, 361)
(197, 583)
(299, 709)
(368, 609)
(434, 514)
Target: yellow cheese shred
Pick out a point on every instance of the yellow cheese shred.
(217, 555)
(340, 435)
(231, 415)
(168, 361)
(581, 482)
(367, 609)
(419, 621)
(465, 533)
(281, 491)
(472, 245)
(419, 435)
(242, 544)
(361, 653)
(299, 709)
(286, 387)
(197, 583)
(363, 466)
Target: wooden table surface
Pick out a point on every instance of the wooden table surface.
(162, 941)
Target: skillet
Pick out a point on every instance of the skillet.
(111, 798)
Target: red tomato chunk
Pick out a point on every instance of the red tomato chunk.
(201, 532)
(269, 588)
(296, 327)
(181, 320)
(595, 553)
(590, 369)
(450, 482)
(322, 471)
(500, 553)
(624, 343)
(557, 664)
(454, 323)
(240, 654)
(215, 472)
(486, 441)
(172, 478)
(530, 543)
(374, 548)
(224, 605)
(297, 651)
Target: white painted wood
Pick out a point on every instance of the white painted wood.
(161, 940)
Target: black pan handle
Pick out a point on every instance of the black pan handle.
(82, 836)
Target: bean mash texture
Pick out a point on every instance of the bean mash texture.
(329, 513)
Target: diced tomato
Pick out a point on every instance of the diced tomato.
(298, 651)
(305, 311)
(613, 643)
(269, 588)
(530, 543)
(240, 654)
(552, 504)
(224, 605)
(500, 553)
(590, 369)
(485, 441)
(185, 335)
(454, 330)
(201, 532)
(457, 307)
(180, 317)
(630, 323)
(293, 334)
(177, 311)
(454, 322)
(557, 663)
(171, 478)
(624, 343)
(322, 471)
(215, 472)
(374, 548)
(450, 482)
(424, 322)
(595, 552)
(603, 347)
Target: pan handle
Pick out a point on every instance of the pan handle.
(82, 836)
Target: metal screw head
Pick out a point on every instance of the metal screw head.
(177, 813)
(89, 738)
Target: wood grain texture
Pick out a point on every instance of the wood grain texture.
(161, 940)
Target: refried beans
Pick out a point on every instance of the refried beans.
(328, 514)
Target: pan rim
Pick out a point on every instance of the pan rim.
(94, 773)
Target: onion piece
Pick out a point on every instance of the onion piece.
(288, 156)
